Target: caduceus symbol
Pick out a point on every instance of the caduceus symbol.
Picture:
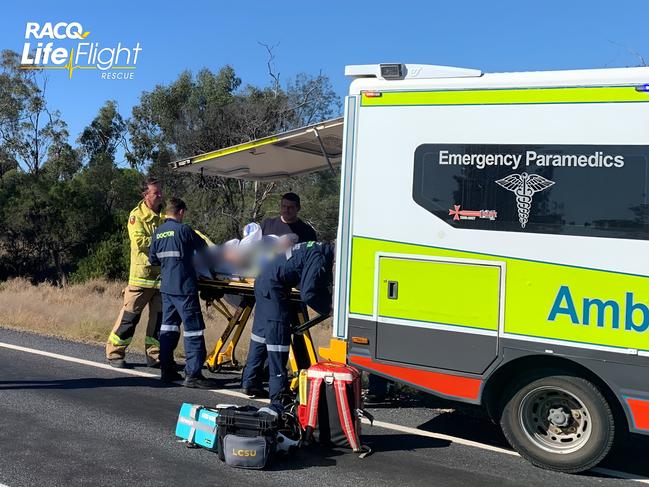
(524, 186)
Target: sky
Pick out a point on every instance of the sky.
(315, 37)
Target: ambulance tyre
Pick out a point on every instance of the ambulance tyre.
(558, 422)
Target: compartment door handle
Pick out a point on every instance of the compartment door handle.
(393, 289)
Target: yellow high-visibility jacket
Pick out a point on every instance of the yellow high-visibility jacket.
(142, 222)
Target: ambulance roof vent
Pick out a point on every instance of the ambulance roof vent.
(393, 71)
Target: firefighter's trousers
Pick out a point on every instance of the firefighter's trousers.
(135, 300)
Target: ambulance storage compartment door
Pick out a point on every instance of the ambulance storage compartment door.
(438, 312)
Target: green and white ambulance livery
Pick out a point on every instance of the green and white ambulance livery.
(493, 242)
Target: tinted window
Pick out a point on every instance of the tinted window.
(595, 191)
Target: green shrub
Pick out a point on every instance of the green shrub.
(109, 259)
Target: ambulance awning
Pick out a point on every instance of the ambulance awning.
(300, 151)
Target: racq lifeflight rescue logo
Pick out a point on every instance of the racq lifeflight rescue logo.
(48, 46)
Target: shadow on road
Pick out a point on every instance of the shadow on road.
(628, 455)
(402, 442)
(474, 427)
(307, 457)
(92, 383)
(321, 456)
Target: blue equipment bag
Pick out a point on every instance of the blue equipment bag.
(197, 426)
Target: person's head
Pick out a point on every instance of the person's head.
(175, 209)
(289, 207)
(152, 194)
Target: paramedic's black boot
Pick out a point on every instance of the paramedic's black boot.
(374, 399)
(170, 375)
(118, 363)
(255, 393)
(199, 382)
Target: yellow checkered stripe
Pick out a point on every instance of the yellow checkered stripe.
(115, 340)
(150, 283)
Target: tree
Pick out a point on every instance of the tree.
(53, 217)
(46, 221)
(63, 162)
(197, 114)
(28, 128)
(104, 134)
(7, 162)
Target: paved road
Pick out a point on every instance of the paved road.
(64, 423)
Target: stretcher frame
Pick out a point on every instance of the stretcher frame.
(302, 353)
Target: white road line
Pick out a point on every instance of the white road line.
(76, 360)
(621, 475)
(439, 436)
(380, 424)
(99, 365)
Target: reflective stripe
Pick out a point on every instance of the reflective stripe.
(168, 253)
(257, 339)
(151, 341)
(277, 348)
(314, 398)
(328, 373)
(196, 425)
(194, 333)
(516, 96)
(170, 328)
(115, 340)
(345, 415)
(136, 281)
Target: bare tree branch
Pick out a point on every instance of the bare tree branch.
(270, 64)
(632, 52)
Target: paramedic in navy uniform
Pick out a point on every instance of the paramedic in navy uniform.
(308, 266)
(172, 248)
(288, 222)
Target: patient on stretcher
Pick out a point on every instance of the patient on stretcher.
(239, 259)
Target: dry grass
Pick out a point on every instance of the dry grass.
(86, 312)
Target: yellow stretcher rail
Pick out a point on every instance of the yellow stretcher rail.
(302, 352)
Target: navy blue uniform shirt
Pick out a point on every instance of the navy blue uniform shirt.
(172, 248)
(307, 265)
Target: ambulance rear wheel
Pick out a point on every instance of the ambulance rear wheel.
(558, 422)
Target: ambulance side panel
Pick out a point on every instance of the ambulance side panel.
(449, 295)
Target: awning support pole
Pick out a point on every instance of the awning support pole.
(324, 151)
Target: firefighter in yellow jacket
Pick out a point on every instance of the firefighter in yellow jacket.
(143, 283)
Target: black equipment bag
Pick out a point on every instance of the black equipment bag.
(247, 436)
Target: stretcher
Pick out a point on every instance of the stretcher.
(240, 294)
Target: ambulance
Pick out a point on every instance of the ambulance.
(493, 242)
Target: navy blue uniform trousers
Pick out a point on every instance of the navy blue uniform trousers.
(270, 338)
(177, 309)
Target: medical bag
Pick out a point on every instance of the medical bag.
(196, 425)
(247, 436)
(330, 400)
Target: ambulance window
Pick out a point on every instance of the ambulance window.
(594, 191)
